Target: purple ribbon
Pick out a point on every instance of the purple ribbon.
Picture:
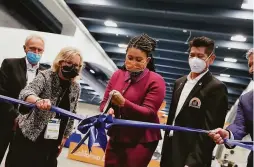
(95, 127)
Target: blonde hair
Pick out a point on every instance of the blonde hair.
(33, 36)
(66, 53)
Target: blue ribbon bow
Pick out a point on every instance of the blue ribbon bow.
(95, 127)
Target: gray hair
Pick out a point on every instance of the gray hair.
(32, 36)
(251, 51)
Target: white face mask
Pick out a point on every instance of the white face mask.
(197, 65)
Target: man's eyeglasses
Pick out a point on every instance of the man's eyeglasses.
(36, 50)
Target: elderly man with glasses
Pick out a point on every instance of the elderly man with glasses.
(243, 123)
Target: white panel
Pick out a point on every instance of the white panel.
(92, 51)
(12, 41)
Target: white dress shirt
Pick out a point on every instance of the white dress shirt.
(30, 71)
(189, 85)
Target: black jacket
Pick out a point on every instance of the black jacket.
(193, 149)
(13, 79)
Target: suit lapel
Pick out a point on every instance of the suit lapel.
(176, 95)
(23, 71)
(179, 89)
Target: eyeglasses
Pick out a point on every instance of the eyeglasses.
(69, 63)
(36, 50)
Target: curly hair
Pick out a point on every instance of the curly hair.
(146, 44)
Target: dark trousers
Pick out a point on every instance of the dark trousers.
(128, 154)
(250, 160)
(42, 153)
(5, 138)
(166, 158)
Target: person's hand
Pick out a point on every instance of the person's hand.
(218, 135)
(111, 112)
(43, 104)
(117, 98)
(60, 147)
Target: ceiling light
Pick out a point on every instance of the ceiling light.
(94, 93)
(238, 38)
(225, 75)
(247, 4)
(87, 87)
(110, 23)
(184, 31)
(217, 46)
(122, 45)
(81, 100)
(116, 34)
(93, 2)
(92, 71)
(97, 2)
(230, 60)
(229, 48)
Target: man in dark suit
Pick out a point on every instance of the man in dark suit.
(15, 73)
(199, 100)
(243, 123)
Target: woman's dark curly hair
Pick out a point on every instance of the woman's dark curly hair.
(146, 44)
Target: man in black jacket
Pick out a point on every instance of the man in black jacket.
(15, 73)
(199, 101)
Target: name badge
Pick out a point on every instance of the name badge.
(195, 102)
(52, 130)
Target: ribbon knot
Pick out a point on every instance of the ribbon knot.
(94, 130)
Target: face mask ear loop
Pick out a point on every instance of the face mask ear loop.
(209, 56)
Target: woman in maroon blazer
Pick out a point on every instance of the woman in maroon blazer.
(138, 95)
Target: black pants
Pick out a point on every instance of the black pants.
(166, 160)
(5, 138)
(24, 152)
(250, 160)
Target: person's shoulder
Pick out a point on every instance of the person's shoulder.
(13, 60)
(48, 72)
(247, 95)
(118, 73)
(180, 80)
(216, 83)
(155, 75)
(215, 86)
(156, 78)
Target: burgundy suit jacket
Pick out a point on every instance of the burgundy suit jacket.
(143, 98)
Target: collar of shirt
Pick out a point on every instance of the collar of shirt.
(127, 75)
(30, 67)
(195, 80)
